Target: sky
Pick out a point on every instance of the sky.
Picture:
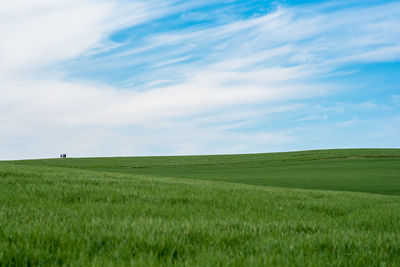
(93, 78)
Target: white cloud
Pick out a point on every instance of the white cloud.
(270, 61)
(313, 39)
(41, 33)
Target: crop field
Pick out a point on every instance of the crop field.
(311, 208)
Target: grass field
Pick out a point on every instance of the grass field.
(313, 208)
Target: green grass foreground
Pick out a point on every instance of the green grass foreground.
(131, 211)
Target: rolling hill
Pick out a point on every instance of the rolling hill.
(314, 208)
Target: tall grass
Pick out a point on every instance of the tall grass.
(66, 216)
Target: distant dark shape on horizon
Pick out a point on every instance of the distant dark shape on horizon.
(63, 156)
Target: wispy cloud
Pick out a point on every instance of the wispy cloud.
(42, 33)
(204, 89)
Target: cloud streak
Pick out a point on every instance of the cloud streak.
(183, 91)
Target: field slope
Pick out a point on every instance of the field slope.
(256, 210)
(358, 170)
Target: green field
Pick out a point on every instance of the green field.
(312, 208)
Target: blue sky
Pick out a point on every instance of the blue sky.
(125, 78)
